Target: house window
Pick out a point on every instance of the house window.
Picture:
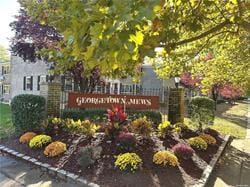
(6, 89)
(40, 79)
(28, 83)
(99, 89)
(68, 84)
(126, 88)
(43, 78)
(5, 70)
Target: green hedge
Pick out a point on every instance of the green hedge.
(202, 110)
(28, 112)
(91, 114)
(100, 114)
(154, 116)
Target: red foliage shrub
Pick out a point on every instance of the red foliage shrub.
(116, 115)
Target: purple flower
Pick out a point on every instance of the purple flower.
(126, 141)
(183, 151)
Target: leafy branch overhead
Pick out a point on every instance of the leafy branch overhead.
(117, 35)
(31, 36)
(31, 42)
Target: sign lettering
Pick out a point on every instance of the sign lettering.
(83, 100)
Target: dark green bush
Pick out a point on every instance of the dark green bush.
(100, 114)
(28, 112)
(153, 116)
(202, 110)
(83, 114)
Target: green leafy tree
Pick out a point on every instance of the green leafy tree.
(225, 60)
(4, 56)
(31, 36)
(230, 65)
(116, 35)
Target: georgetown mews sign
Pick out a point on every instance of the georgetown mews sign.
(83, 100)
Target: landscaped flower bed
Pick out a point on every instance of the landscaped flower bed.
(120, 152)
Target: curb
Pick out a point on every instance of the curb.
(208, 171)
(63, 174)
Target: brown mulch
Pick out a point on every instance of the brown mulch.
(210, 152)
(105, 174)
(13, 142)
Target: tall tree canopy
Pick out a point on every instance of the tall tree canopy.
(116, 35)
(222, 62)
(4, 56)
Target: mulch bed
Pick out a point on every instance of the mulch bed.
(105, 174)
(13, 142)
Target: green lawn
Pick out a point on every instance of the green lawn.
(6, 127)
(230, 119)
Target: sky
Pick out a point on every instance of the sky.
(8, 8)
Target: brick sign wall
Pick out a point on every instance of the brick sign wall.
(82, 100)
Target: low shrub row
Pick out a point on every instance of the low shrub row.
(28, 113)
(100, 114)
(82, 114)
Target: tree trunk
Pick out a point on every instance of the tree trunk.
(200, 127)
(215, 94)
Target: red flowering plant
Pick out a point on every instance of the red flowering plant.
(117, 119)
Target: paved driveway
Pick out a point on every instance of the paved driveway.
(16, 173)
(233, 169)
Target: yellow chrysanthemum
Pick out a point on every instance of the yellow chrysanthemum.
(164, 158)
(128, 161)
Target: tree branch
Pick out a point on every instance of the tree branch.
(240, 7)
(202, 35)
(198, 5)
(245, 25)
(206, 43)
(221, 12)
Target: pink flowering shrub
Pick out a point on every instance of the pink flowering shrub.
(188, 80)
(230, 91)
(182, 150)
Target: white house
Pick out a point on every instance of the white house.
(27, 76)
